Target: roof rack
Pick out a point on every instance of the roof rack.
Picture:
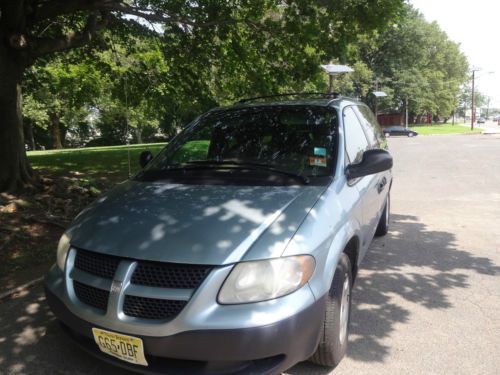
(333, 95)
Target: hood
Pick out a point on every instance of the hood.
(196, 224)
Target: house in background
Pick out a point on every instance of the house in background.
(390, 119)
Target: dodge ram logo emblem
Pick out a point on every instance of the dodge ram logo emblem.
(116, 287)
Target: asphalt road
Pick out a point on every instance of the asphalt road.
(427, 300)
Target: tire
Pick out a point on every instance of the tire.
(410, 134)
(387, 134)
(383, 224)
(333, 342)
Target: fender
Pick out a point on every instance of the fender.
(327, 260)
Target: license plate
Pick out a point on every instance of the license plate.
(126, 348)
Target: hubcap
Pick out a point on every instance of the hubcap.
(344, 310)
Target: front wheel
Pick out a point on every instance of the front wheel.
(383, 224)
(333, 343)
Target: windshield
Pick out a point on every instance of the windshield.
(294, 139)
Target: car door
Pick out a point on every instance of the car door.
(376, 140)
(400, 131)
(356, 144)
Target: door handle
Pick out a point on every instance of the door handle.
(381, 184)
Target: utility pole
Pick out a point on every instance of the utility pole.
(406, 113)
(488, 108)
(473, 110)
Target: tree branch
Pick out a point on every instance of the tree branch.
(58, 8)
(54, 8)
(43, 46)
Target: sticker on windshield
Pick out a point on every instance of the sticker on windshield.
(319, 151)
(317, 161)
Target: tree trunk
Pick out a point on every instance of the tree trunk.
(15, 172)
(138, 135)
(55, 130)
(28, 134)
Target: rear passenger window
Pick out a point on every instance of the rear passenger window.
(372, 128)
(355, 139)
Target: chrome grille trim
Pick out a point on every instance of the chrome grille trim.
(159, 293)
(127, 301)
(86, 278)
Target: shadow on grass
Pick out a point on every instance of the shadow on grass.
(97, 162)
(412, 264)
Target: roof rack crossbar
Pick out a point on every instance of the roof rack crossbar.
(325, 95)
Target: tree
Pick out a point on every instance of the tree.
(419, 63)
(465, 99)
(61, 88)
(205, 32)
(136, 86)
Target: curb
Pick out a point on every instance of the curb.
(20, 288)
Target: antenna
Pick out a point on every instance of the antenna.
(126, 125)
(125, 89)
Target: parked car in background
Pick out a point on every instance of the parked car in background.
(399, 130)
(234, 251)
(481, 120)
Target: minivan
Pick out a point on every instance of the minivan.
(235, 249)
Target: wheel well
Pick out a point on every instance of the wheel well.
(351, 250)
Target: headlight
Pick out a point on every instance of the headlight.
(266, 279)
(62, 251)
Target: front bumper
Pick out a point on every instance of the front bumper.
(266, 349)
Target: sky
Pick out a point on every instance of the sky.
(475, 26)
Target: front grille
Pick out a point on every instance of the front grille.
(152, 308)
(91, 296)
(170, 275)
(96, 264)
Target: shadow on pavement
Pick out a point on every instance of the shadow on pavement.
(32, 341)
(410, 264)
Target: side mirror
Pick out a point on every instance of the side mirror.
(374, 161)
(145, 158)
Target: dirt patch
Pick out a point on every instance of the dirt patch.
(31, 224)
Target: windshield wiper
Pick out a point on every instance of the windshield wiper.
(250, 165)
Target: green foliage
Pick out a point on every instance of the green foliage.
(358, 83)
(416, 60)
(138, 77)
(64, 88)
(35, 111)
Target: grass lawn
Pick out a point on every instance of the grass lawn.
(443, 129)
(32, 222)
(91, 163)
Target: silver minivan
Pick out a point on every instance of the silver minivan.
(235, 249)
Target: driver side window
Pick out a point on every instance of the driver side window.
(355, 139)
